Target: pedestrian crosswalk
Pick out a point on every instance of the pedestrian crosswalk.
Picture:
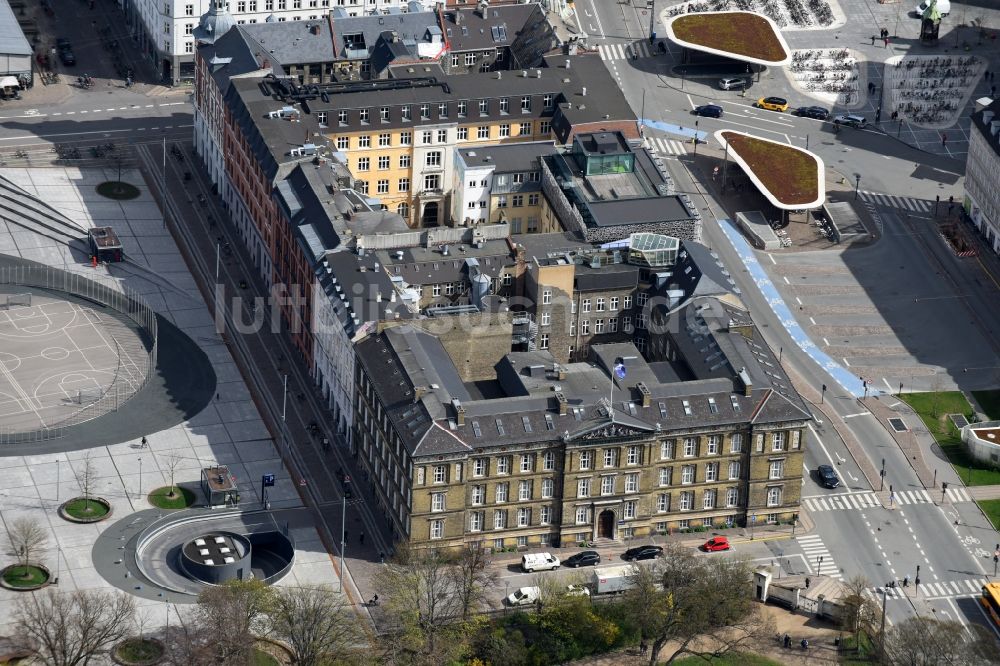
(949, 589)
(625, 51)
(867, 500)
(841, 502)
(819, 559)
(665, 147)
(909, 204)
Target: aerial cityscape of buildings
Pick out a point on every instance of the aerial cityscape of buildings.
(381, 280)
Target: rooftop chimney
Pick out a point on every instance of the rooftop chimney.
(563, 403)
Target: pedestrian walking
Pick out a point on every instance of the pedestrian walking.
(886, 42)
(993, 91)
(347, 536)
(381, 557)
(362, 537)
(906, 581)
(643, 648)
(873, 40)
(143, 443)
(944, 139)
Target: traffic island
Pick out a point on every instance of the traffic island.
(118, 190)
(85, 510)
(25, 577)
(137, 651)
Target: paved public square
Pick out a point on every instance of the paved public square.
(227, 431)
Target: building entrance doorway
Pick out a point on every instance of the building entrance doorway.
(606, 524)
(430, 217)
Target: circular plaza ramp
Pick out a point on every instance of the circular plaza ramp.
(72, 349)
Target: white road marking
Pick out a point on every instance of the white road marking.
(845, 362)
(851, 416)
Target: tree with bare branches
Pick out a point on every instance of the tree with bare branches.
(860, 610)
(925, 641)
(316, 623)
(171, 463)
(421, 601)
(701, 606)
(86, 476)
(27, 538)
(473, 577)
(69, 629)
(234, 614)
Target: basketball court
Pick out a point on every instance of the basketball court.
(59, 358)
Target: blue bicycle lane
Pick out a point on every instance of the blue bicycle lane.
(847, 380)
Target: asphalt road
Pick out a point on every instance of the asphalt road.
(869, 535)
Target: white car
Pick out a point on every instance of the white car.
(577, 591)
(539, 562)
(523, 596)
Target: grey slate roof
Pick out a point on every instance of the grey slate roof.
(509, 158)
(420, 265)
(290, 42)
(468, 30)
(410, 28)
(992, 111)
(12, 39)
(402, 358)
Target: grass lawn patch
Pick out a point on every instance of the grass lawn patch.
(933, 409)
(734, 659)
(740, 33)
(789, 174)
(122, 191)
(139, 651)
(992, 510)
(85, 509)
(176, 497)
(990, 402)
(25, 576)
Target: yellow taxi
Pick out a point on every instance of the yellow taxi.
(773, 103)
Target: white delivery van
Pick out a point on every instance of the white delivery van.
(539, 562)
(944, 6)
(613, 579)
(523, 596)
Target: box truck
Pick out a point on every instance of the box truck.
(612, 580)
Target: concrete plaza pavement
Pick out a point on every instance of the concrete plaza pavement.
(228, 431)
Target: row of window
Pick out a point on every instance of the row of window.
(431, 137)
(431, 182)
(470, 58)
(442, 109)
(686, 501)
(517, 200)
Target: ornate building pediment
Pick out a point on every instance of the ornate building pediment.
(609, 430)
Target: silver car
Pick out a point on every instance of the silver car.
(850, 119)
(734, 83)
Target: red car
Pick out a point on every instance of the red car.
(715, 543)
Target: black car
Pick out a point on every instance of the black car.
(817, 112)
(585, 558)
(709, 110)
(62, 44)
(827, 477)
(67, 57)
(642, 553)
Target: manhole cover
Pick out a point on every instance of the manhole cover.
(898, 425)
(959, 420)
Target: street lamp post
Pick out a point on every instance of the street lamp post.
(857, 185)
(881, 476)
(753, 519)
(819, 564)
(822, 395)
(881, 631)
(916, 582)
(343, 539)
(696, 138)
(139, 494)
(284, 398)
(58, 470)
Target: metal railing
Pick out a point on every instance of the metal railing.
(131, 374)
